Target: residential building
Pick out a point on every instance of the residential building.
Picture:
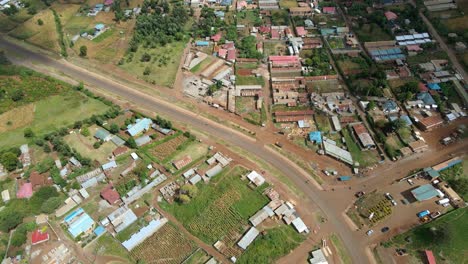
(140, 126)
(79, 223)
(248, 238)
(110, 194)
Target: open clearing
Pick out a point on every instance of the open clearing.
(55, 112)
(84, 146)
(445, 236)
(163, 64)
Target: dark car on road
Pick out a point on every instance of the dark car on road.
(385, 229)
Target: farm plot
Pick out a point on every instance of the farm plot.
(161, 151)
(166, 246)
(221, 207)
(217, 219)
(373, 203)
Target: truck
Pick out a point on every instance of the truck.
(422, 214)
(443, 201)
(344, 178)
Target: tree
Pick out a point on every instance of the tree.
(28, 133)
(85, 132)
(114, 128)
(185, 199)
(147, 71)
(97, 144)
(51, 204)
(10, 218)
(131, 142)
(190, 190)
(371, 105)
(17, 95)
(83, 51)
(9, 161)
(46, 148)
(40, 22)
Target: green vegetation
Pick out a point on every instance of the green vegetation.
(222, 206)
(457, 179)
(267, 248)
(344, 256)
(372, 32)
(249, 80)
(106, 245)
(61, 40)
(445, 236)
(365, 158)
(248, 48)
(131, 229)
(319, 61)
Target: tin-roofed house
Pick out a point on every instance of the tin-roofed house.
(140, 126)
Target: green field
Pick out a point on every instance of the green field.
(53, 113)
(365, 158)
(267, 248)
(163, 65)
(372, 32)
(106, 245)
(84, 146)
(249, 80)
(223, 205)
(445, 236)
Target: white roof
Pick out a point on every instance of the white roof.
(299, 225)
(318, 257)
(256, 178)
(337, 152)
(5, 195)
(109, 165)
(248, 238)
(195, 179)
(84, 193)
(134, 156)
(188, 173)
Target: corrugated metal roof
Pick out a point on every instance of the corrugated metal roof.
(424, 192)
(248, 238)
(144, 233)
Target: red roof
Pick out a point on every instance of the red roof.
(422, 87)
(38, 180)
(301, 31)
(329, 10)
(216, 37)
(259, 45)
(231, 54)
(119, 151)
(287, 31)
(108, 2)
(110, 194)
(222, 53)
(228, 46)
(430, 257)
(274, 34)
(39, 237)
(264, 29)
(285, 59)
(390, 15)
(413, 48)
(25, 191)
(360, 129)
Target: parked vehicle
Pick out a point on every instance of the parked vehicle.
(394, 203)
(423, 213)
(326, 172)
(278, 144)
(385, 229)
(344, 178)
(401, 252)
(434, 215)
(370, 232)
(410, 181)
(389, 196)
(359, 194)
(443, 201)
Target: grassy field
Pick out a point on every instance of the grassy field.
(273, 48)
(372, 32)
(8, 23)
(247, 17)
(106, 245)
(267, 248)
(445, 236)
(365, 158)
(287, 3)
(249, 80)
(202, 65)
(453, 175)
(198, 257)
(84, 146)
(222, 206)
(163, 65)
(55, 112)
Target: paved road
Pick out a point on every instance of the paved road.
(453, 57)
(356, 250)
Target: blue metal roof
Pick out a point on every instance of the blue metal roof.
(315, 136)
(426, 98)
(72, 215)
(406, 119)
(99, 26)
(140, 126)
(99, 230)
(201, 43)
(434, 86)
